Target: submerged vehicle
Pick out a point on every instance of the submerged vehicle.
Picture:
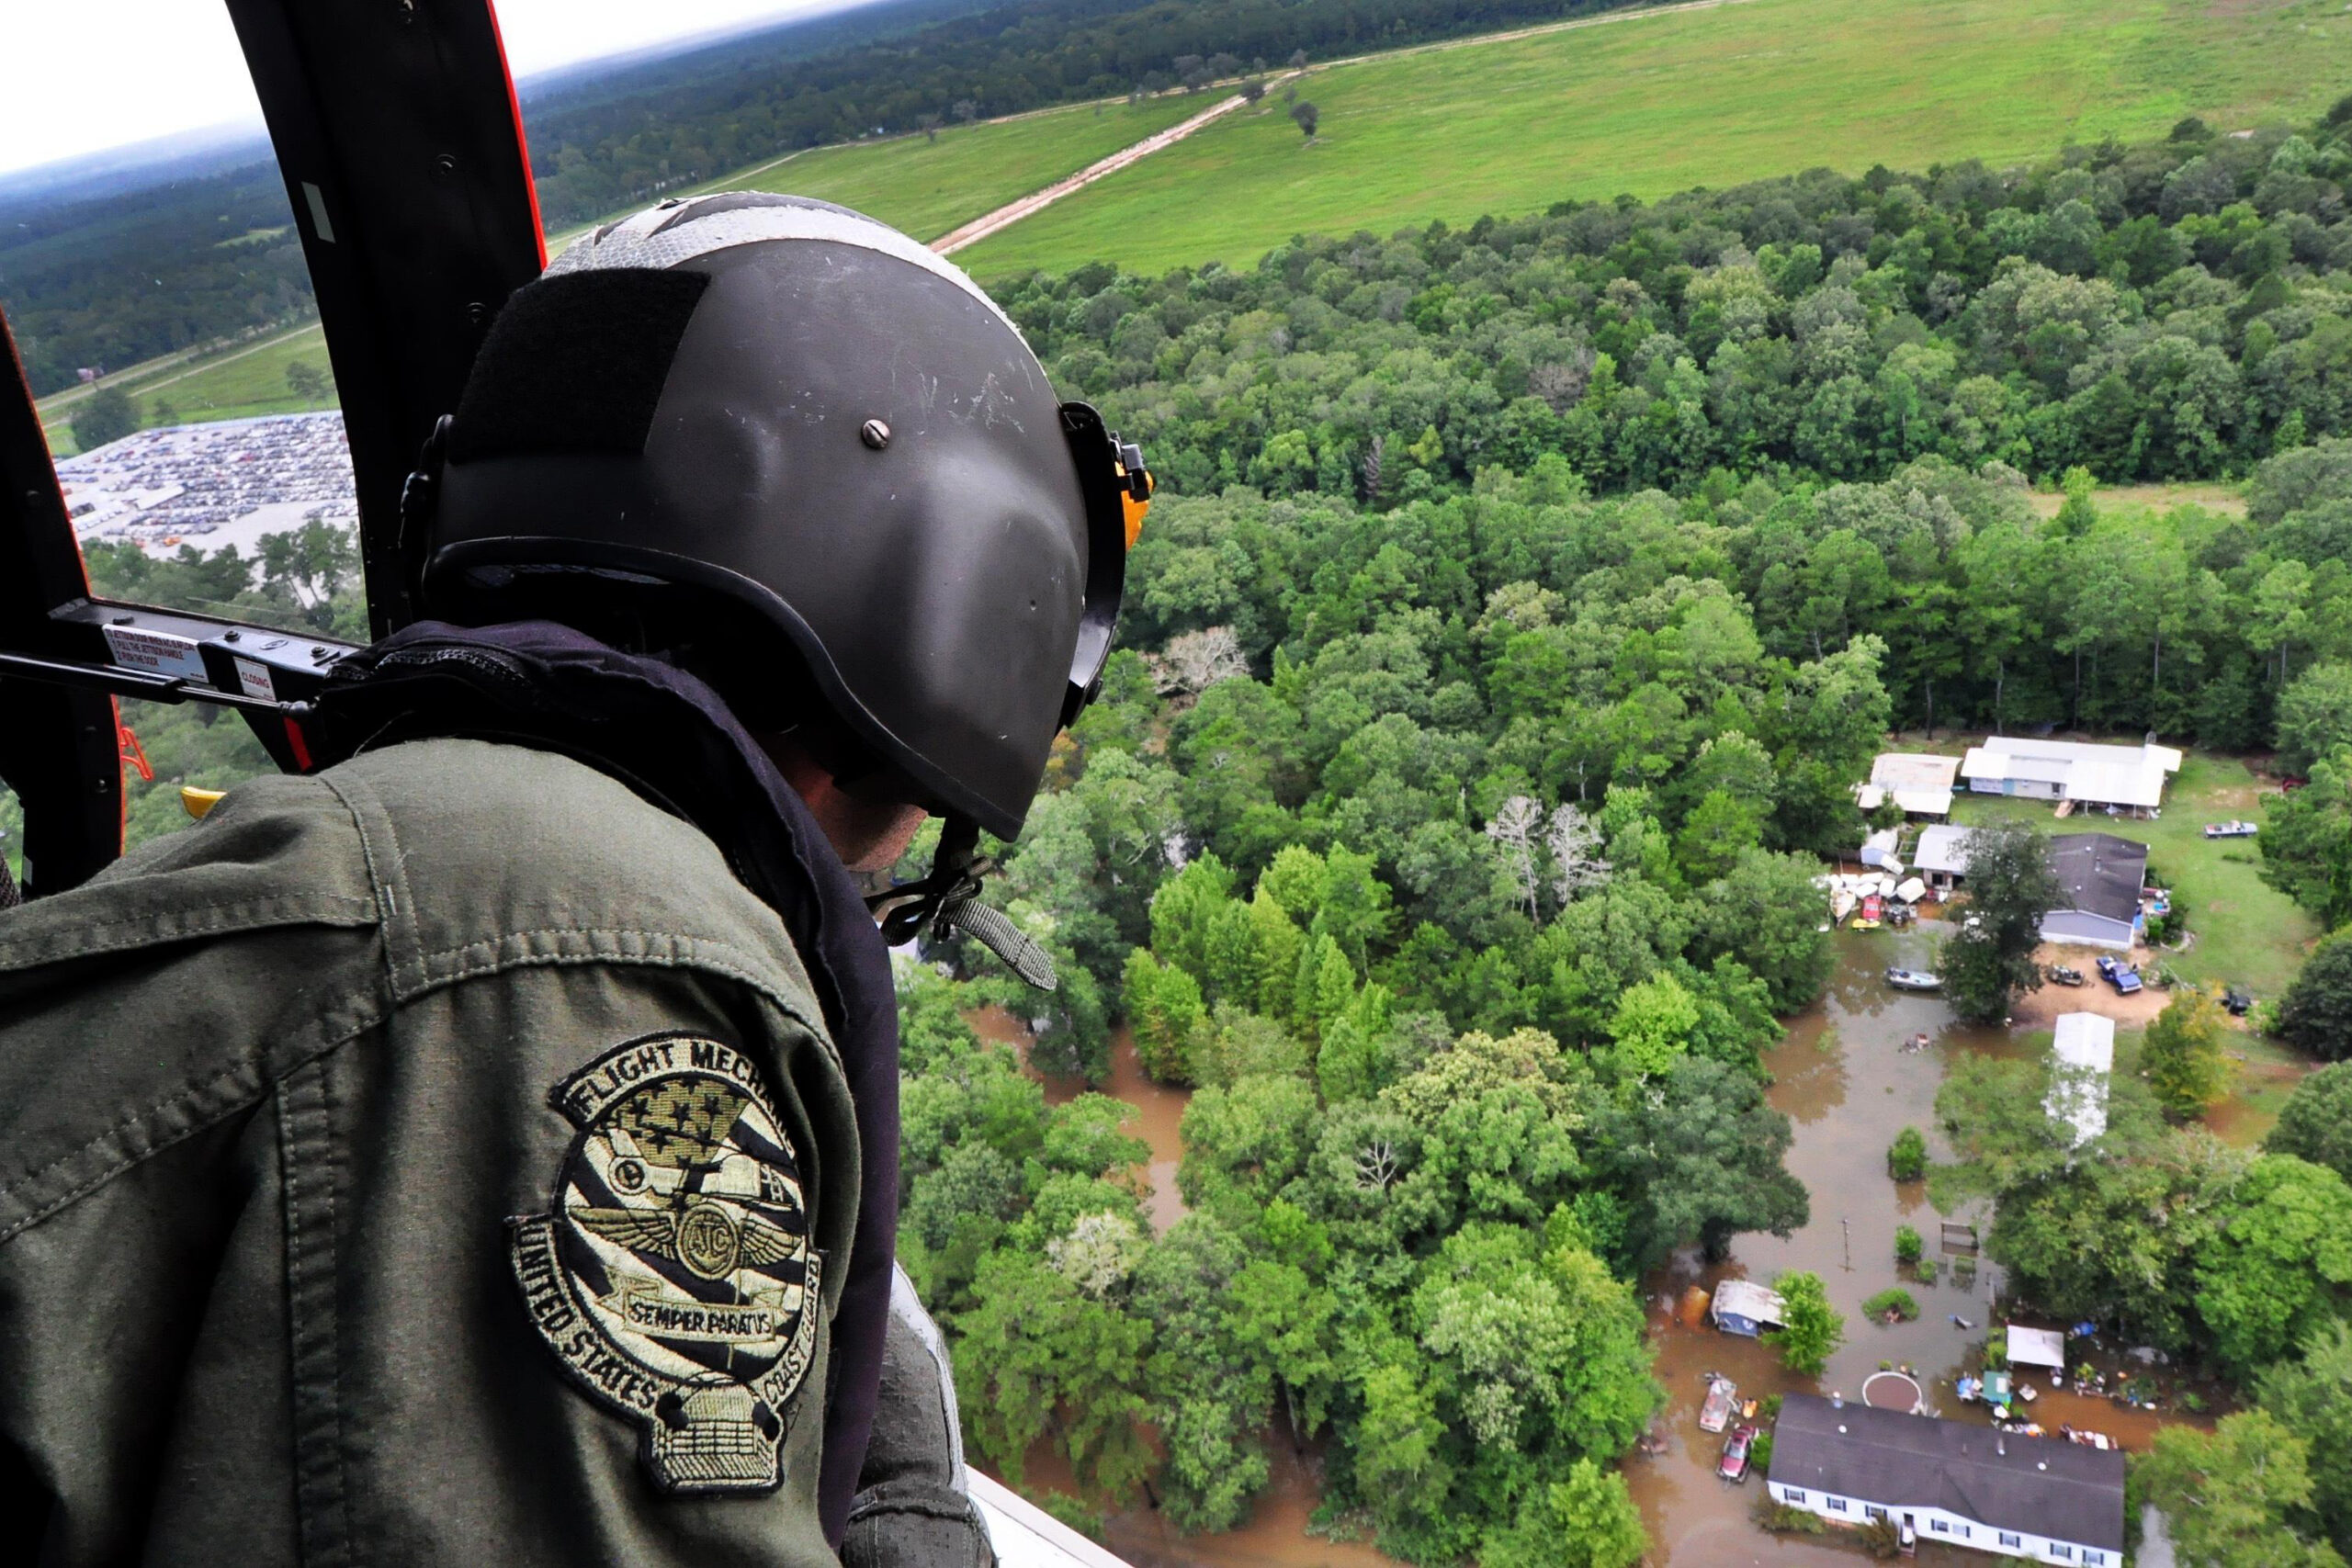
(1715, 1415)
(1732, 1466)
(1914, 980)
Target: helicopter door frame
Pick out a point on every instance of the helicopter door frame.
(400, 137)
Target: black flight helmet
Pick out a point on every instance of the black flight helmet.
(812, 461)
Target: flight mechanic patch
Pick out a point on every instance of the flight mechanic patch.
(673, 1275)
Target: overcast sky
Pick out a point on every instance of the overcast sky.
(82, 75)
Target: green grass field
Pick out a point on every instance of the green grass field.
(238, 383)
(1652, 104)
(928, 188)
(2247, 932)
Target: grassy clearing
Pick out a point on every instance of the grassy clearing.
(239, 383)
(928, 188)
(1653, 105)
(2247, 933)
(2225, 498)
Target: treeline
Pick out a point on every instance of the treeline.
(106, 284)
(1746, 362)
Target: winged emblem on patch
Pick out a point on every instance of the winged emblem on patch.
(674, 1274)
(705, 1236)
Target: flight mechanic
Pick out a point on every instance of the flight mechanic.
(483, 1147)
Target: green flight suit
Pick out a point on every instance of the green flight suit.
(441, 1159)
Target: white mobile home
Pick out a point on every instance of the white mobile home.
(2130, 777)
(1950, 1481)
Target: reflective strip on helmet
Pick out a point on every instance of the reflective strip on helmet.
(663, 237)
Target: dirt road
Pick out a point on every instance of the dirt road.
(1004, 217)
(987, 223)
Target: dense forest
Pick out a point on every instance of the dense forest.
(1523, 602)
(1729, 363)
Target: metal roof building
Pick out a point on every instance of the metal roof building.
(1921, 785)
(2085, 1053)
(2067, 770)
(1950, 1481)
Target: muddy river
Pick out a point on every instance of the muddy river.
(1847, 1078)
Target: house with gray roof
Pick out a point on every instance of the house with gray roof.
(1950, 1481)
(2101, 878)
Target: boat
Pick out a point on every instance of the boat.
(1732, 1466)
(1873, 906)
(1914, 980)
(1841, 904)
(2232, 829)
(1715, 1415)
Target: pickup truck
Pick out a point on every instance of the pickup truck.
(2120, 975)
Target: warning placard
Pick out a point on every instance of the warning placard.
(158, 653)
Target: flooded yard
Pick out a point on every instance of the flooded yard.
(1846, 1079)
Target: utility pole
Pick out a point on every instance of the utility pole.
(1845, 1232)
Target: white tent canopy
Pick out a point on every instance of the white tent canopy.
(2037, 1348)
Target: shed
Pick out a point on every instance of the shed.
(1879, 850)
(1920, 784)
(2083, 1055)
(2037, 1348)
(1942, 856)
(1743, 1306)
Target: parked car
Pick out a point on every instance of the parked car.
(1734, 1464)
(2232, 829)
(2060, 974)
(2124, 978)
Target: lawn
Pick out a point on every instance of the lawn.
(1651, 104)
(238, 383)
(928, 188)
(2246, 932)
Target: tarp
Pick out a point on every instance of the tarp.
(2037, 1348)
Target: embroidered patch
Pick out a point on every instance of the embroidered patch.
(673, 1276)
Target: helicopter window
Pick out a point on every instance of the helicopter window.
(154, 279)
(12, 837)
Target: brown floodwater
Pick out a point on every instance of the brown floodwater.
(1847, 1082)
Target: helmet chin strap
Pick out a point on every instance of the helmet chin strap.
(947, 901)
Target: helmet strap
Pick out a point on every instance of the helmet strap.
(948, 903)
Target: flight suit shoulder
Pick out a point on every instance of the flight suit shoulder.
(173, 989)
(487, 856)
